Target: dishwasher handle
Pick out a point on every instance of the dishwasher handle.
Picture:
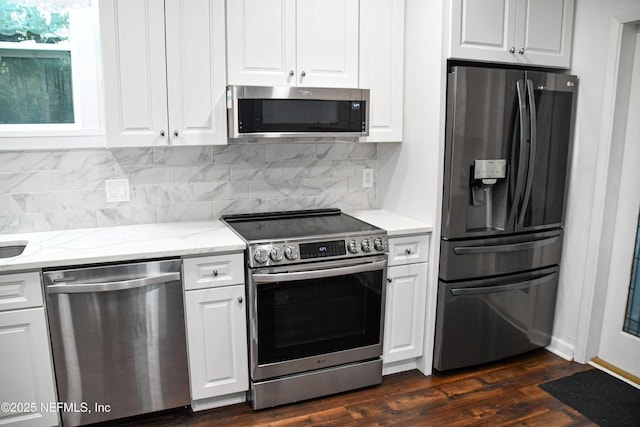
(113, 286)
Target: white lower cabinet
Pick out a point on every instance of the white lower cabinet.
(27, 387)
(216, 337)
(404, 322)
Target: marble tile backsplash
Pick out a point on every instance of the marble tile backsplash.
(63, 189)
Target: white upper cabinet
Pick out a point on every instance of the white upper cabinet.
(544, 38)
(382, 66)
(512, 31)
(164, 72)
(310, 43)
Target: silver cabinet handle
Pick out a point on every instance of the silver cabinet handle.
(532, 152)
(503, 288)
(162, 133)
(389, 279)
(512, 50)
(408, 251)
(291, 73)
(175, 132)
(318, 274)
(302, 74)
(474, 250)
(240, 299)
(120, 285)
(521, 51)
(215, 273)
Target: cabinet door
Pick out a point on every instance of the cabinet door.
(217, 341)
(196, 75)
(26, 373)
(544, 32)
(327, 43)
(483, 30)
(405, 312)
(261, 42)
(133, 48)
(382, 66)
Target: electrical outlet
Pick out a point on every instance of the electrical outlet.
(367, 178)
(118, 190)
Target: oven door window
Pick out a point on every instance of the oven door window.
(318, 316)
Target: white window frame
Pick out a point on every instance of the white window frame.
(86, 69)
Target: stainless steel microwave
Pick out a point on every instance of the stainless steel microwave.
(284, 111)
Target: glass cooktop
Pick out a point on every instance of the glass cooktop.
(295, 224)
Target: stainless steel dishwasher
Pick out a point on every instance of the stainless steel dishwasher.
(118, 340)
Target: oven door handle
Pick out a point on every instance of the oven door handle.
(318, 274)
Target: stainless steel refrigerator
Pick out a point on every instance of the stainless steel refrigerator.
(508, 144)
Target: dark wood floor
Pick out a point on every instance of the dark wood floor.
(498, 394)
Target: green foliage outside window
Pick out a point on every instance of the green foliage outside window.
(35, 86)
(21, 23)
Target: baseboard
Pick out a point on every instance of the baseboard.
(217, 402)
(561, 348)
(400, 366)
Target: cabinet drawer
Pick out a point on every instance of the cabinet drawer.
(20, 290)
(408, 249)
(213, 271)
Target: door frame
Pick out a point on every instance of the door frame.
(622, 39)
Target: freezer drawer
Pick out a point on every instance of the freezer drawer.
(470, 259)
(486, 320)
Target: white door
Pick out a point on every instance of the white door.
(261, 42)
(543, 33)
(382, 66)
(405, 311)
(483, 30)
(26, 373)
(617, 347)
(135, 81)
(217, 341)
(327, 43)
(196, 72)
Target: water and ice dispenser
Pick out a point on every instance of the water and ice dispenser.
(488, 189)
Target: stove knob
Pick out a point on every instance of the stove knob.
(261, 255)
(276, 254)
(379, 244)
(291, 253)
(365, 245)
(353, 247)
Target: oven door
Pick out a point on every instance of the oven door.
(317, 315)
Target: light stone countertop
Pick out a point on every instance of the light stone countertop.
(396, 225)
(139, 242)
(121, 243)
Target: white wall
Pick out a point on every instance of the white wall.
(410, 173)
(593, 19)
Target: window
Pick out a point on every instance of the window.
(49, 62)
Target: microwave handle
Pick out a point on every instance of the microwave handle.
(317, 274)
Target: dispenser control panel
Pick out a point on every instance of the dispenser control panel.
(489, 169)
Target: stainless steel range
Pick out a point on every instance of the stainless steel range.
(316, 286)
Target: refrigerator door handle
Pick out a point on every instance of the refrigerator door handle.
(532, 151)
(481, 290)
(522, 153)
(474, 250)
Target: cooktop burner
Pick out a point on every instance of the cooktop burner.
(305, 235)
